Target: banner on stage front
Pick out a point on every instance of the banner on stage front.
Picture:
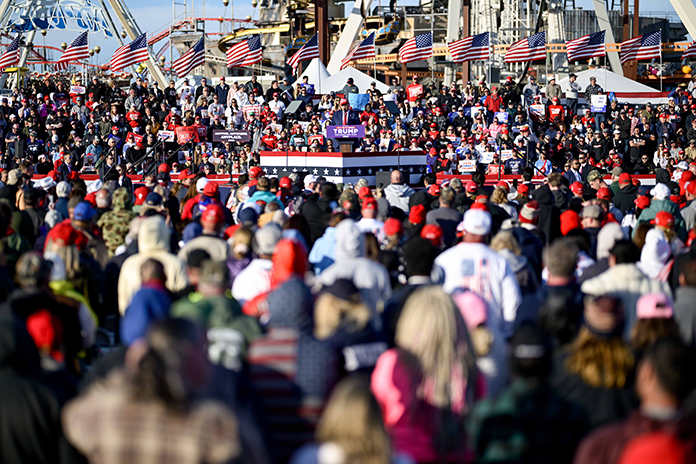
(345, 132)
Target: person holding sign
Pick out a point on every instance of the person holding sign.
(599, 108)
(414, 92)
(514, 162)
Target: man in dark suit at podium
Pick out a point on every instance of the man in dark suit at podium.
(345, 116)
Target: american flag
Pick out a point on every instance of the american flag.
(307, 52)
(130, 54)
(194, 56)
(11, 55)
(586, 47)
(643, 47)
(365, 50)
(528, 49)
(417, 48)
(476, 47)
(690, 52)
(245, 53)
(78, 50)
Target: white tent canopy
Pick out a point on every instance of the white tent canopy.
(360, 79)
(316, 74)
(626, 90)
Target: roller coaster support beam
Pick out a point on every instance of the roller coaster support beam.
(605, 25)
(133, 31)
(350, 32)
(687, 13)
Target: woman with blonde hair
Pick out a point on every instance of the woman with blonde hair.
(425, 384)
(499, 197)
(350, 430)
(597, 370)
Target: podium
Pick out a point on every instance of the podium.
(345, 145)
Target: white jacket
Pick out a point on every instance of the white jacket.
(153, 242)
(476, 267)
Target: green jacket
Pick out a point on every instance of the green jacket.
(656, 206)
(229, 330)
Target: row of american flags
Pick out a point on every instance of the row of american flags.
(478, 47)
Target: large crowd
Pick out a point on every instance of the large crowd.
(155, 312)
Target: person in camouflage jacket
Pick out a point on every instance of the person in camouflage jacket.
(115, 223)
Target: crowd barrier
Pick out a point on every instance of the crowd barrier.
(494, 178)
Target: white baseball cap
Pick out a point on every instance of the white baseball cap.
(201, 183)
(476, 222)
(660, 192)
(683, 166)
(309, 179)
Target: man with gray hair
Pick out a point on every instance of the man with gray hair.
(397, 192)
(446, 216)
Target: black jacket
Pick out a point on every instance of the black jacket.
(624, 200)
(30, 426)
(318, 213)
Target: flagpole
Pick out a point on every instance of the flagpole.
(660, 73)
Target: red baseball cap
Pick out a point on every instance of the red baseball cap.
(625, 179)
(255, 172)
(393, 226)
(164, 167)
(663, 219)
(471, 187)
(210, 189)
(285, 183)
(604, 194)
(523, 189)
(433, 233)
(642, 202)
(364, 192)
(369, 203)
(434, 190)
(213, 213)
(577, 188)
(140, 195)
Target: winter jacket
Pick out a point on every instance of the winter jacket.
(398, 195)
(318, 213)
(150, 304)
(323, 252)
(685, 313)
(370, 277)
(30, 419)
(627, 283)
(624, 199)
(153, 242)
(665, 205)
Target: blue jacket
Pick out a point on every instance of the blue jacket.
(151, 303)
(323, 252)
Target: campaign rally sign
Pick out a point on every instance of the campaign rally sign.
(231, 136)
(505, 155)
(77, 89)
(185, 134)
(598, 103)
(487, 157)
(502, 117)
(537, 110)
(467, 165)
(345, 132)
(167, 136)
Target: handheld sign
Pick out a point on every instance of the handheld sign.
(467, 165)
(598, 103)
(502, 117)
(167, 136)
(231, 136)
(505, 155)
(185, 134)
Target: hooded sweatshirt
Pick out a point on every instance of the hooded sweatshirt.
(370, 277)
(398, 195)
(153, 242)
(30, 423)
(668, 205)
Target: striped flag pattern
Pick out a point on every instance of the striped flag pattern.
(194, 56)
(586, 47)
(417, 48)
(528, 49)
(643, 47)
(130, 54)
(78, 50)
(245, 53)
(307, 52)
(690, 52)
(11, 55)
(366, 49)
(476, 47)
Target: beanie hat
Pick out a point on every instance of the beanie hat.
(393, 226)
(417, 214)
(570, 220)
(530, 213)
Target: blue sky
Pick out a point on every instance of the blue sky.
(153, 15)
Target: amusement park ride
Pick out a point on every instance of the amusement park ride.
(285, 25)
